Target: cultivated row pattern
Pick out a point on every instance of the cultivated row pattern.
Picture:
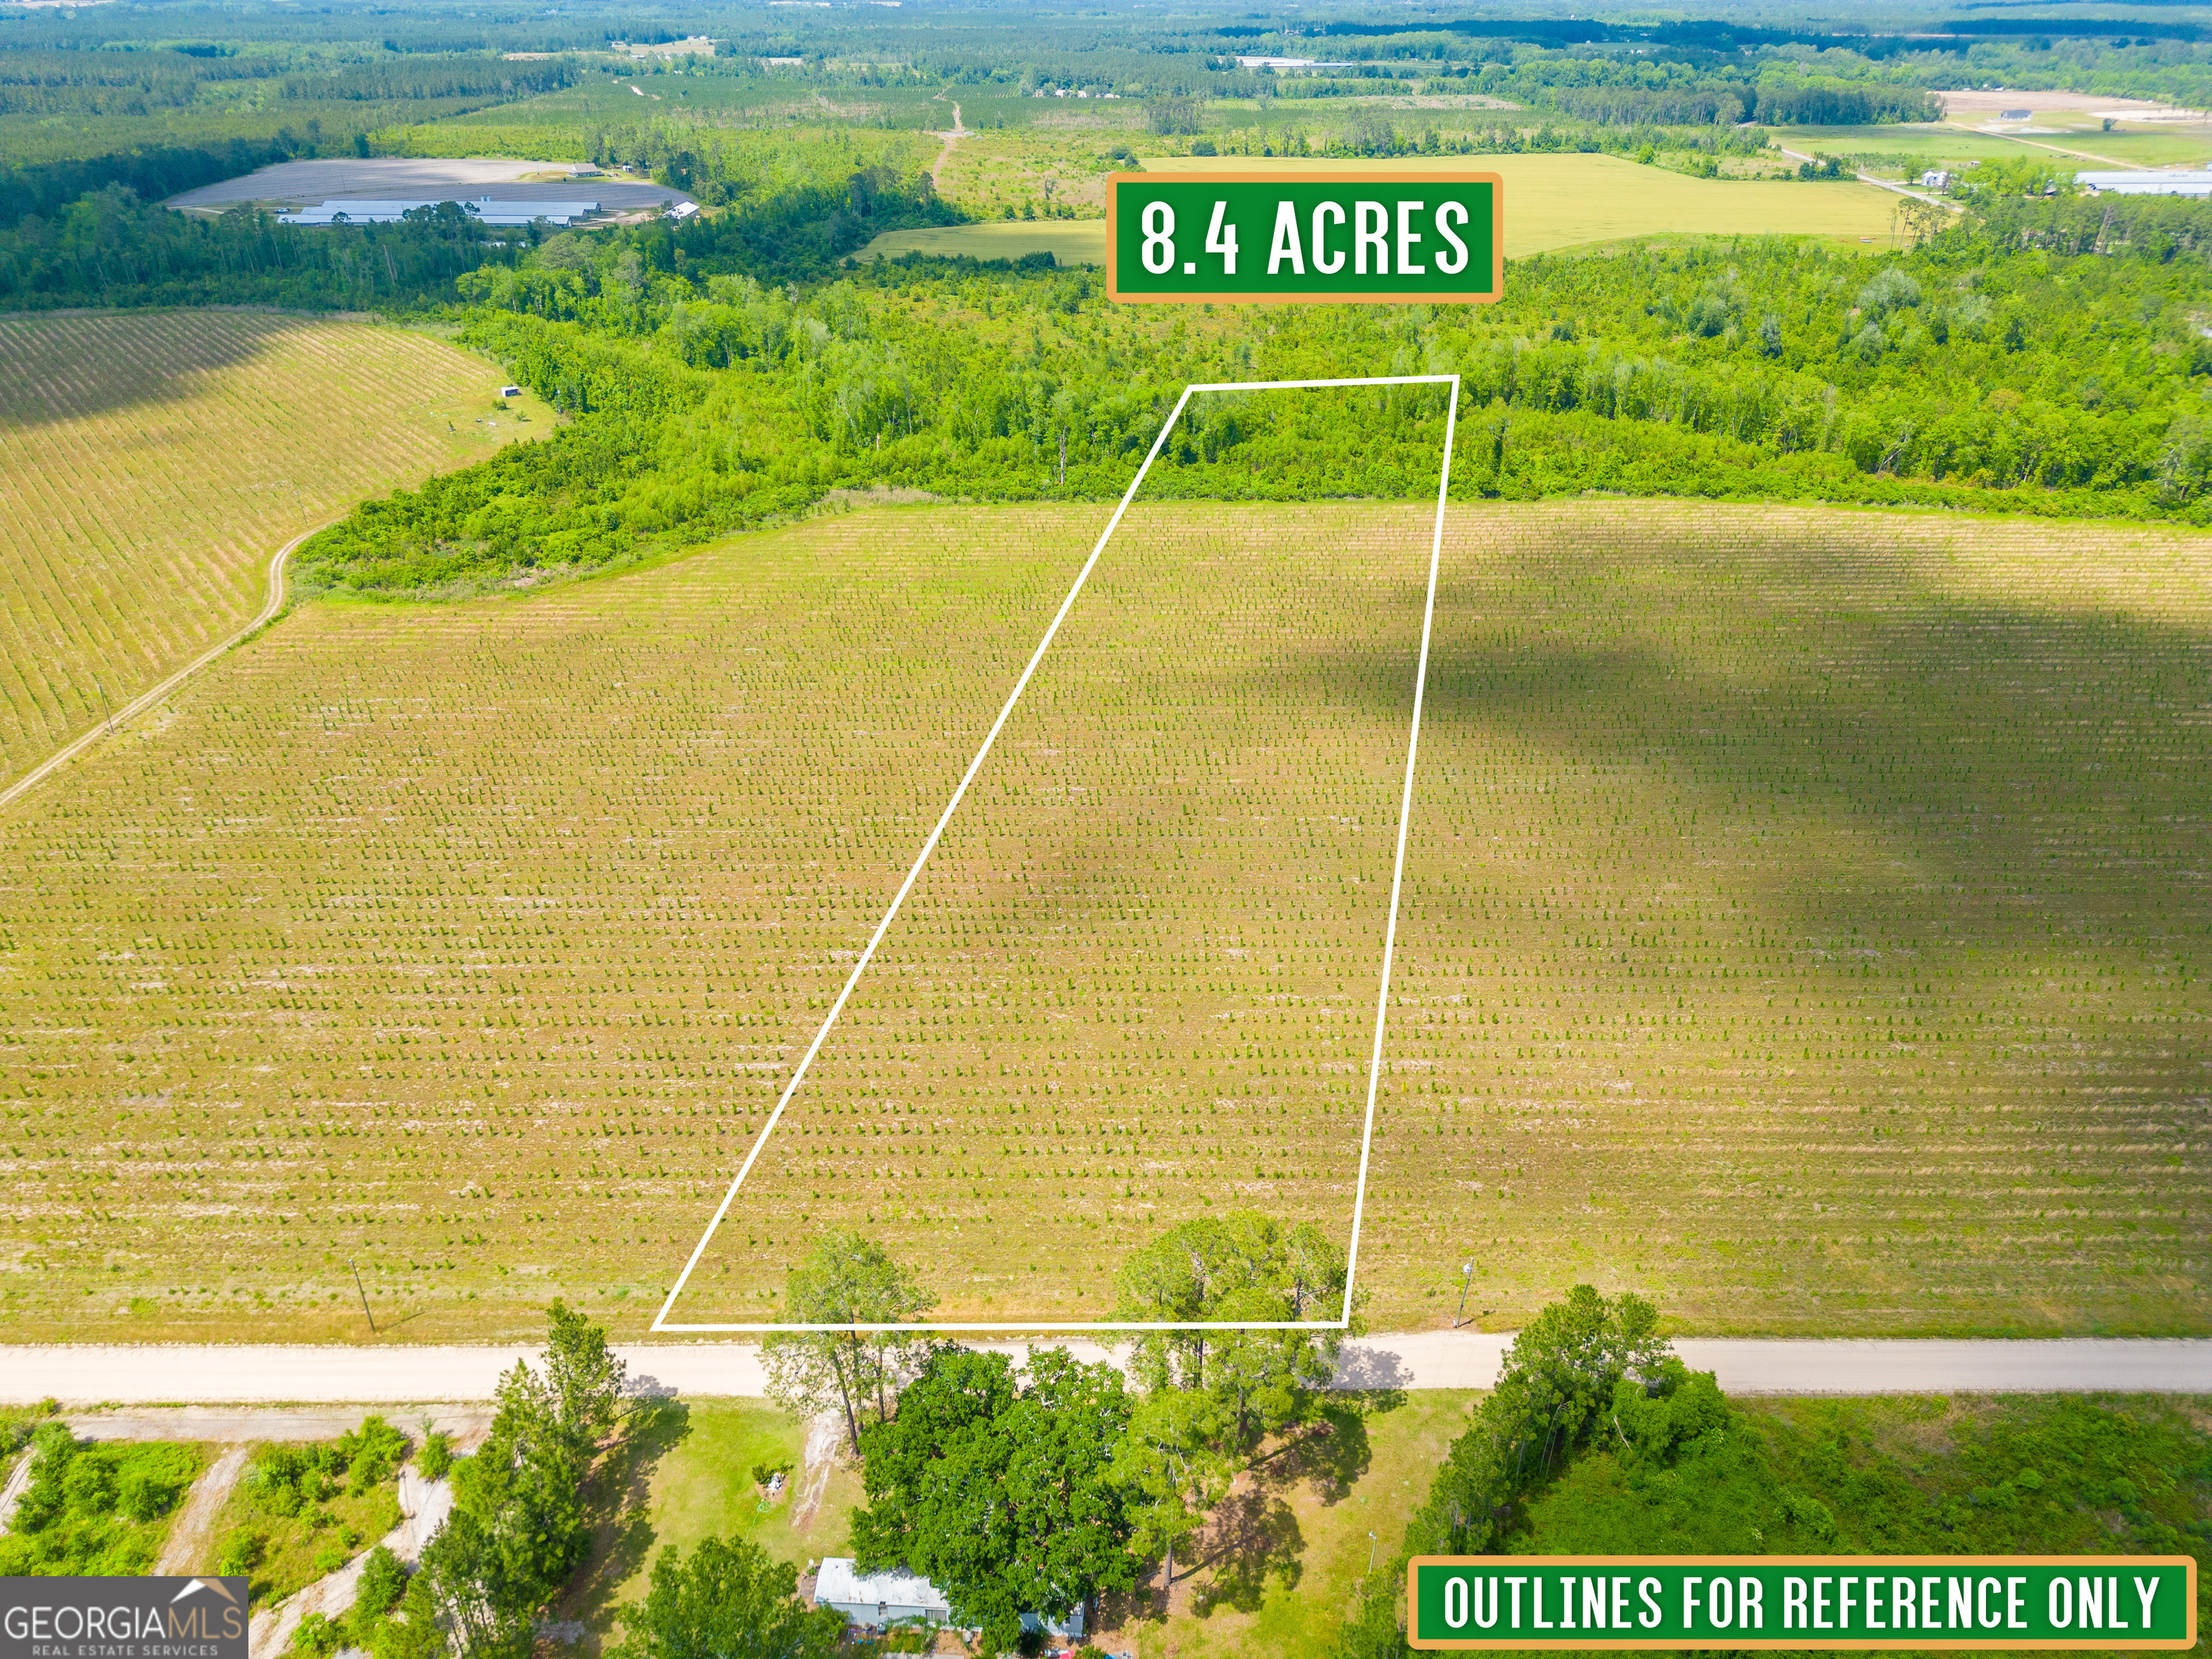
(1805, 917)
(150, 465)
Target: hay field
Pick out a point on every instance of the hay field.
(151, 462)
(1551, 202)
(1805, 924)
(1070, 241)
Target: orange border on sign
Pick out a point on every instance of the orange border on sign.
(1582, 1639)
(1399, 176)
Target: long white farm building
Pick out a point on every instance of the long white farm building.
(486, 210)
(2196, 182)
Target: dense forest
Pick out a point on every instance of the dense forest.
(2040, 355)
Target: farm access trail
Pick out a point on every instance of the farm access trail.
(146, 700)
(186, 1377)
(150, 461)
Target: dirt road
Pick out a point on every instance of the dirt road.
(394, 1377)
(951, 138)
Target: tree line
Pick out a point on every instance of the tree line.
(2037, 356)
(113, 247)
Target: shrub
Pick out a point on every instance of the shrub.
(152, 1480)
(318, 1636)
(283, 1480)
(383, 1582)
(78, 1513)
(240, 1553)
(436, 1457)
(370, 1454)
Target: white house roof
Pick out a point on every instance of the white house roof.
(840, 1582)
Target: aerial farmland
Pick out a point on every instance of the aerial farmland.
(1768, 932)
(151, 464)
(1101, 832)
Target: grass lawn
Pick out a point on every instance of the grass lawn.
(1070, 241)
(686, 1474)
(1282, 1557)
(1900, 1475)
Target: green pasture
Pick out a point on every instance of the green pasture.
(684, 1472)
(1943, 144)
(1070, 241)
(1551, 202)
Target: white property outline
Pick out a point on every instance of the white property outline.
(1343, 1321)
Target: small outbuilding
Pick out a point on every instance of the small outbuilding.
(878, 1600)
(510, 392)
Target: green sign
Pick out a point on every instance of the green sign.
(1401, 237)
(1803, 1601)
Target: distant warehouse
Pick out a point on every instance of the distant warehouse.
(484, 208)
(2197, 183)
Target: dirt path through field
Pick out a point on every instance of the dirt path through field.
(147, 700)
(191, 1547)
(951, 138)
(820, 1457)
(424, 1507)
(466, 1425)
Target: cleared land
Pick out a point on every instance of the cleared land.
(684, 1472)
(1551, 202)
(1070, 241)
(151, 462)
(1176, 858)
(1803, 924)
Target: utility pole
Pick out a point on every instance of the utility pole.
(357, 1285)
(1466, 1279)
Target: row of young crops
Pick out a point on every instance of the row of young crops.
(1139, 970)
(149, 465)
(1799, 913)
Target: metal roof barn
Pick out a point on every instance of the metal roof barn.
(2195, 183)
(486, 210)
